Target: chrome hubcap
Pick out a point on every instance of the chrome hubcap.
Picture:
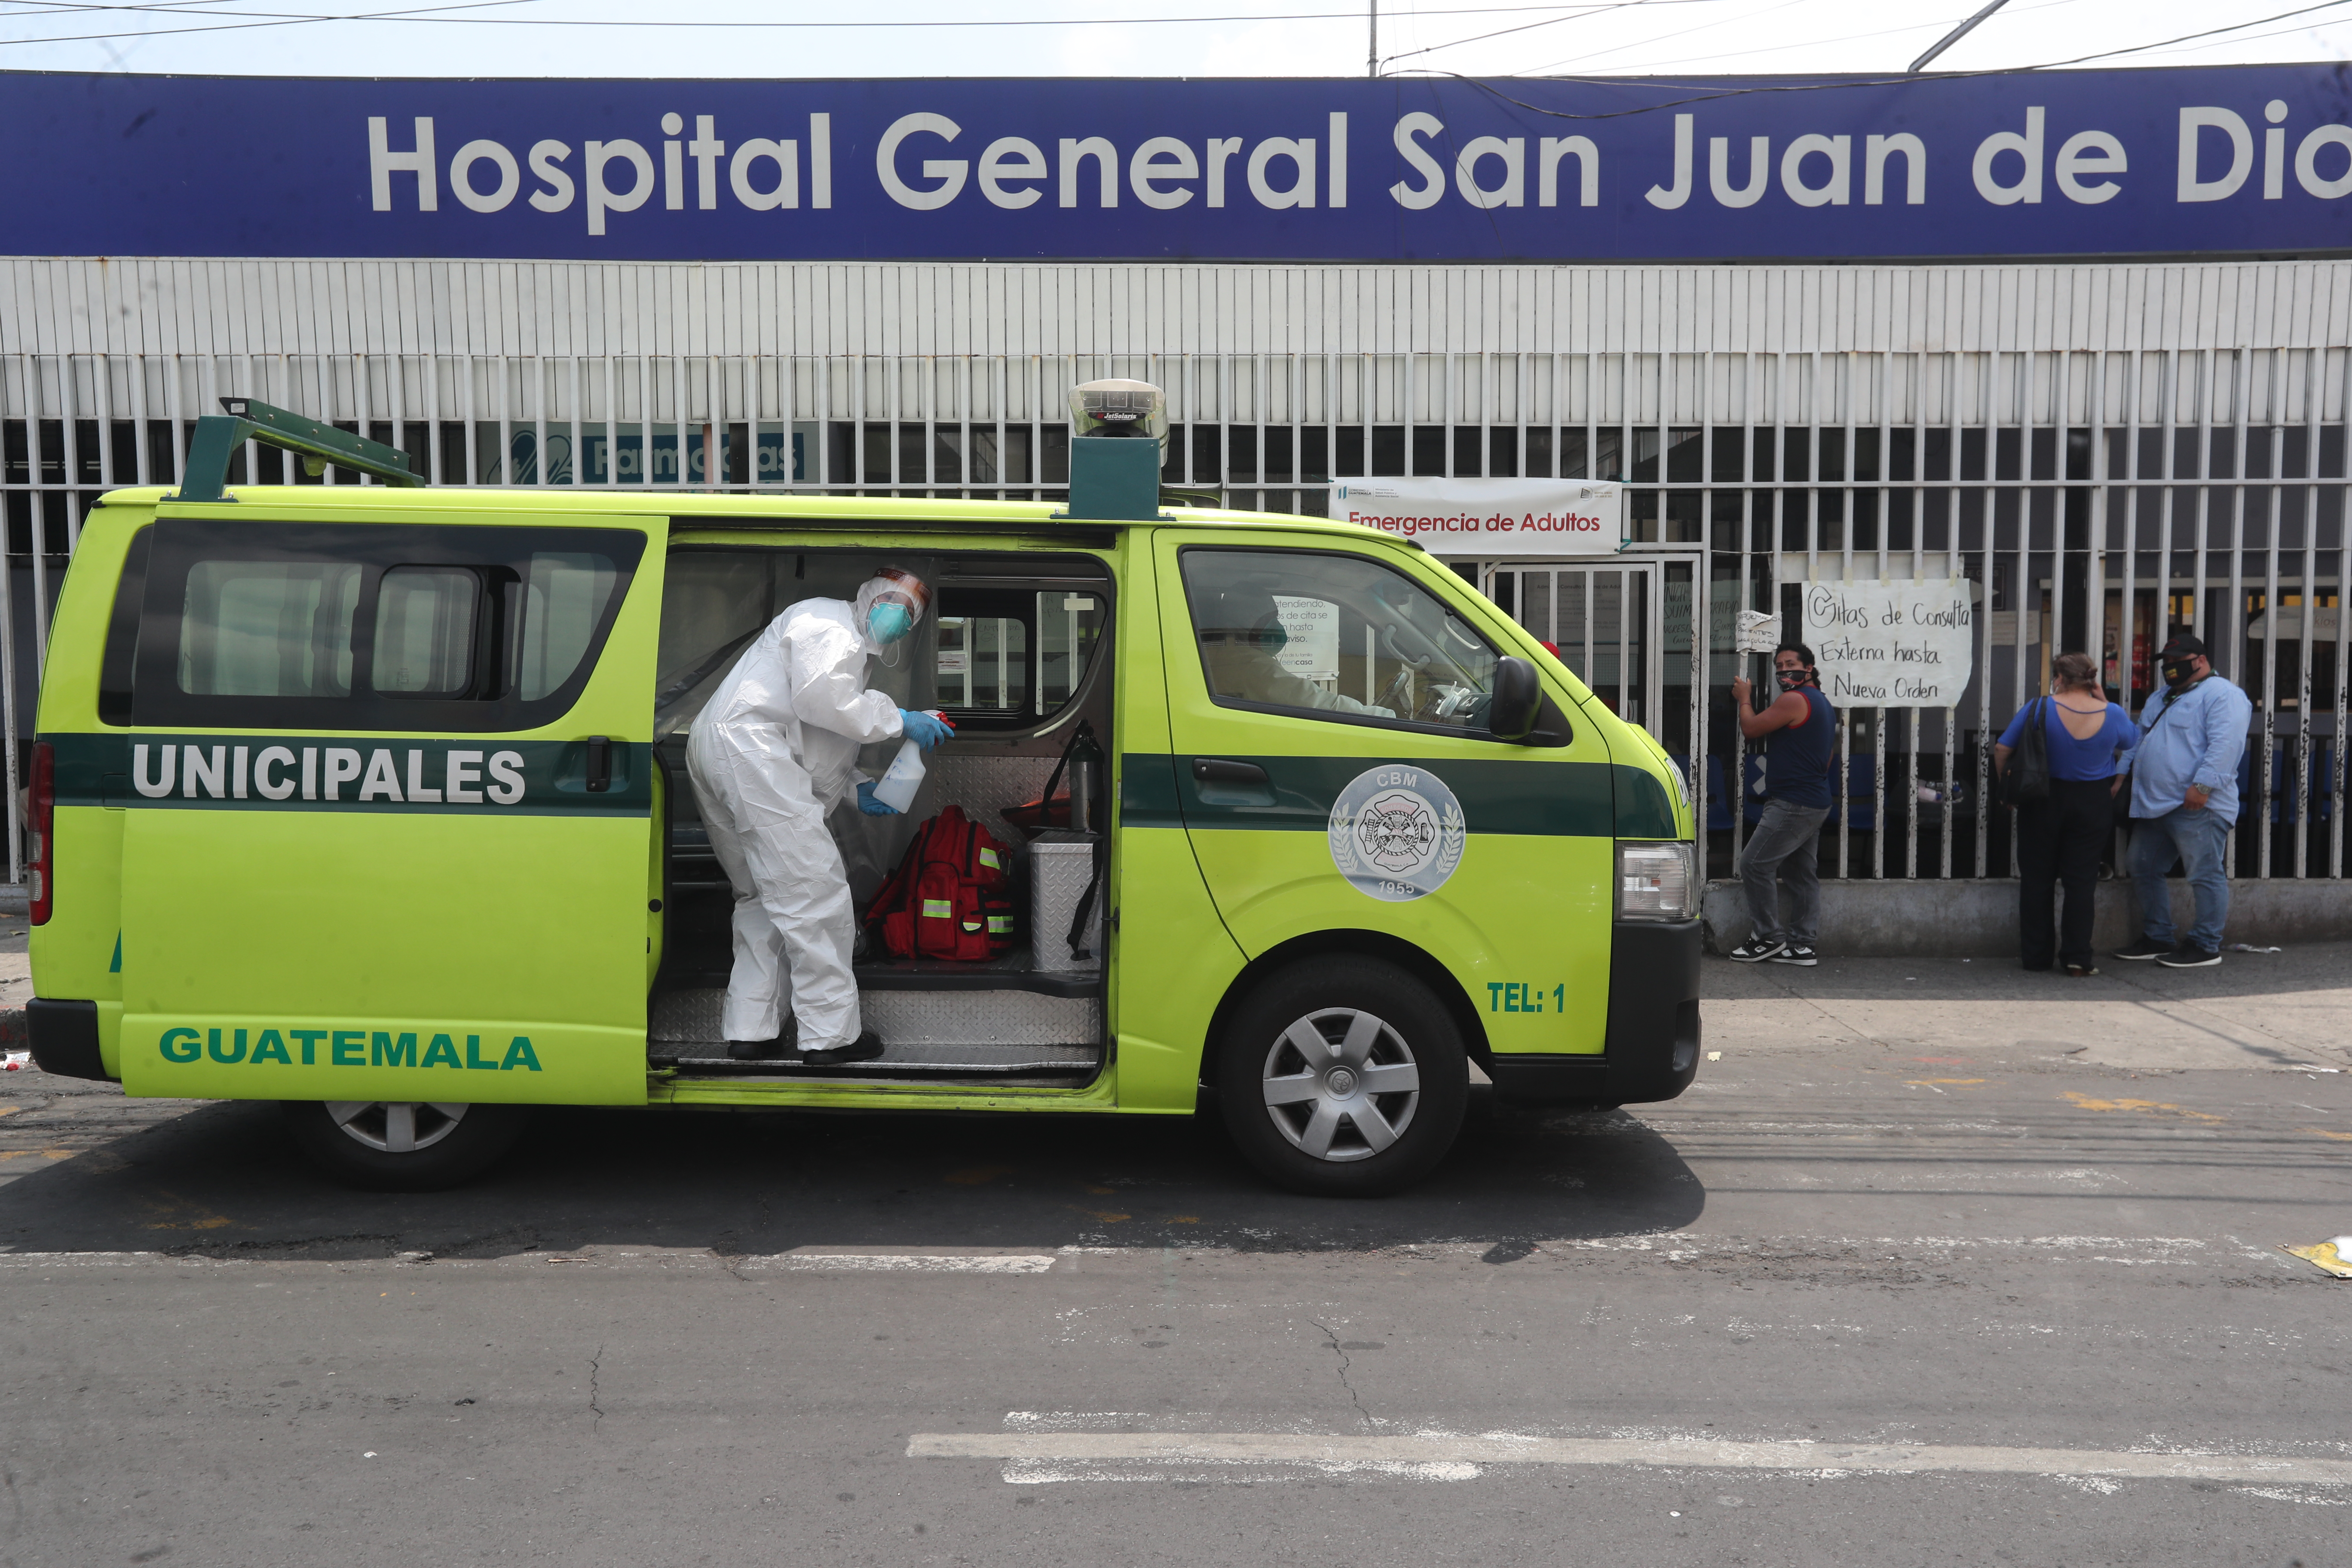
(1340, 1084)
(395, 1126)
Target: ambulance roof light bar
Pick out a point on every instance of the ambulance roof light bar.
(218, 435)
(1119, 407)
(1117, 479)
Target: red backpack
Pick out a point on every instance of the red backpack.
(950, 897)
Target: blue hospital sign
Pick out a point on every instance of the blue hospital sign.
(2244, 159)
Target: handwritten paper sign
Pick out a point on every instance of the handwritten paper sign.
(1891, 645)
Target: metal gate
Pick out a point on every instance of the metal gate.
(1605, 617)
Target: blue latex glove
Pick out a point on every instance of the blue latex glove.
(869, 805)
(922, 729)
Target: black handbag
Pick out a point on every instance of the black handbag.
(2027, 777)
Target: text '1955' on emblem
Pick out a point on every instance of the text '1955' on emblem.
(1397, 833)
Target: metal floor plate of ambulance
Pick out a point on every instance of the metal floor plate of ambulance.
(937, 1031)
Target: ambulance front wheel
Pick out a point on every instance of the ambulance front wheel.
(403, 1146)
(1342, 1076)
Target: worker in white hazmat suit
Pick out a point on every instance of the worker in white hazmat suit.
(773, 752)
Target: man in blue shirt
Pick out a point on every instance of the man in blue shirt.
(1798, 729)
(2185, 800)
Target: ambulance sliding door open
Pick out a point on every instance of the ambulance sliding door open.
(1015, 652)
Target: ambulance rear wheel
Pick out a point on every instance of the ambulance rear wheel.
(403, 1146)
(1342, 1076)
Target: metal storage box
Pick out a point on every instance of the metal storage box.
(1061, 865)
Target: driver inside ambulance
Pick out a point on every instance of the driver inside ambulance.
(1243, 649)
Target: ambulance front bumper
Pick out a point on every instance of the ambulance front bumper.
(1651, 1048)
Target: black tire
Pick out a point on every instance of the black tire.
(349, 1140)
(1387, 1020)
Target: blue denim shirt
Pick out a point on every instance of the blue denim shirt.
(2197, 739)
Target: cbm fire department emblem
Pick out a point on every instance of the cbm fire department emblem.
(1397, 833)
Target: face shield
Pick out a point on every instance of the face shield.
(889, 605)
(1250, 618)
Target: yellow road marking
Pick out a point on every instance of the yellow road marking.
(2088, 1103)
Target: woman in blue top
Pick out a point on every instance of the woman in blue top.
(2090, 741)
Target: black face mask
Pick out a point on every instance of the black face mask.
(2176, 672)
(1792, 680)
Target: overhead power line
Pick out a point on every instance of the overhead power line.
(1504, 32)
(247, 20)
(1486, 84)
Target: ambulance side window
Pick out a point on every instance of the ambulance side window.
(368, 626)
(564, 596)
(1332, 636)
(268, 629)
(425, 632)
(122, 632)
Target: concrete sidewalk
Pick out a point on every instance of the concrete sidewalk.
(2257, 1010)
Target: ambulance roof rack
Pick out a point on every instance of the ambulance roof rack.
(218, 435)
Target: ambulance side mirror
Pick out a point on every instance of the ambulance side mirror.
(1516, 699)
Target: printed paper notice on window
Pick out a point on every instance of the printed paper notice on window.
(1891, 645)
(1490, 520)
(1312, 651)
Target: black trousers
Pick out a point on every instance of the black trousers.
(2059, 841)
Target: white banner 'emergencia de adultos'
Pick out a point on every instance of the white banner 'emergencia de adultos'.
(1489, 519)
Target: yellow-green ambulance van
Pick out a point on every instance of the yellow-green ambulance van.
(372, 800)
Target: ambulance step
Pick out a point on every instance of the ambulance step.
(957, 1060)
(959, 1020)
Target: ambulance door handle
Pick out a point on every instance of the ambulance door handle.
(1216, 771)
(600, 764)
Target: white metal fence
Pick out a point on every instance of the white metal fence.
(2100, 453)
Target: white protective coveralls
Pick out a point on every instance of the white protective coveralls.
(773, 752)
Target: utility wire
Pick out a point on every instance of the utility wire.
(1504, 32)
(271, 19)
(1661, 37)
(1841, 38)
(1486, 84)
(275, 21)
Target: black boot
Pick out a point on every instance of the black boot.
(780, 1049)
(867, 1048)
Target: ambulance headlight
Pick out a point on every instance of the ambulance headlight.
(1116, 408)
(1655, 882)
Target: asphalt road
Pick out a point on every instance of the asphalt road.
(1922, 1224)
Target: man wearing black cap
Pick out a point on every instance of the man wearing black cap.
(2185, 799)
